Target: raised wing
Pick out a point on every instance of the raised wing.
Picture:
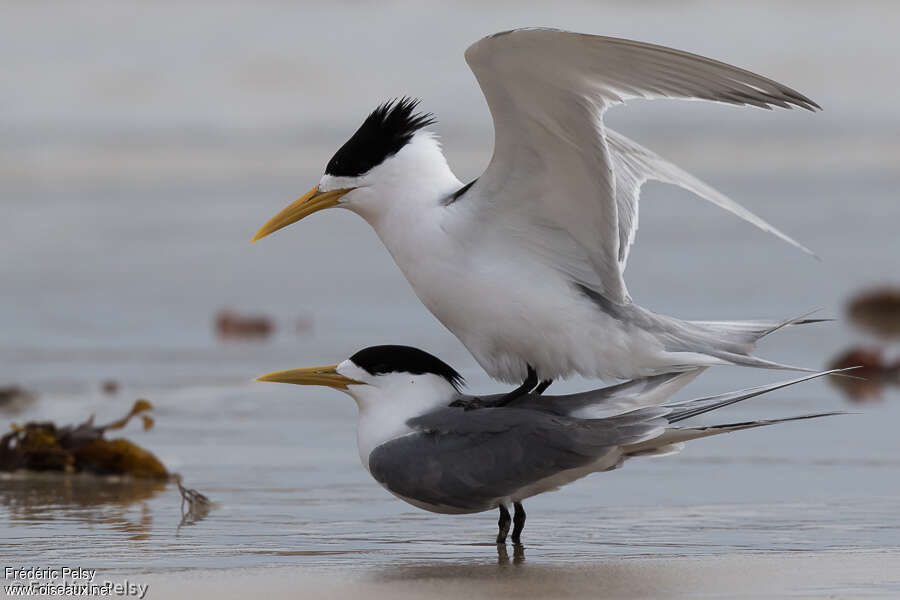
(634, 165)
(552, 174)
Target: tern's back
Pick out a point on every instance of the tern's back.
(461, 461)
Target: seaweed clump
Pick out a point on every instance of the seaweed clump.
(15, 399)
(43, 446)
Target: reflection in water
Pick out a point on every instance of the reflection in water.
(503, 555)
(198, 505)
(87, 498)
(875, 311)
(867, 382)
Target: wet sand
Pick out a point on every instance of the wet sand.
(831, 574)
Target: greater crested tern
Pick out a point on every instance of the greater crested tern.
(525, 264)
(446, 459)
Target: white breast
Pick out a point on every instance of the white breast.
(376, 427)
(508, 308)
(389, 401)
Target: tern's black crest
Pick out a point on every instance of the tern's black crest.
(404, 359)
(382, 134)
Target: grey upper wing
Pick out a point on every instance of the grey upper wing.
(600, 403)
(469, 459)
(612, 400)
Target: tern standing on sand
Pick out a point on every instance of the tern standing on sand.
(525, 264)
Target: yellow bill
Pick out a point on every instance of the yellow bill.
(327, 376)
(312, 201)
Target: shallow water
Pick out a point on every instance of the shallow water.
(129, 205)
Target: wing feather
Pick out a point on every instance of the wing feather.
(634, 165)
(470, 460)
(552, 172)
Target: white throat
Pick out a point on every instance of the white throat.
(388, 401)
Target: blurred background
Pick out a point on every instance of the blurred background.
(142, 145)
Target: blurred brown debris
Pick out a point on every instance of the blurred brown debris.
(42, 446)
(110, 387)
(233, 326)
(14, 399)
(304, 325)
(877, 311)
(867, 382)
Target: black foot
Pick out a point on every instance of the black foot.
(518, 523)
(528, 386)
(518, 554)
(503, 525)
(468, 404)
(530, 381)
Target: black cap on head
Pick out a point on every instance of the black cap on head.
(377, 360)
(382, 134)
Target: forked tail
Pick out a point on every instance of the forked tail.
(672, 440)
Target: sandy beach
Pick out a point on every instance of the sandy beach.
(831, 575)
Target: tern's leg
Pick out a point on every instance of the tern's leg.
(530, 381)
(503, 524)
(529, 384)
(542, 386)
(518, 523)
